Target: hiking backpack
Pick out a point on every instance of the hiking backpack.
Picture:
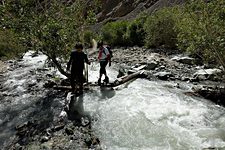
(110, 51)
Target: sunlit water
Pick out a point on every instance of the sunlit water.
(154, 115)
(140, 115)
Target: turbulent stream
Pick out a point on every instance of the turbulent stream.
(140, 114)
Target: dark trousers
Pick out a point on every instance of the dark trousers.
(77, 79)
(103, 65)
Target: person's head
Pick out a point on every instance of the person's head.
(79, 47)
(100, 44)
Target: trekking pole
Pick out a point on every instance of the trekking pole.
(87, 71)
(86, 68)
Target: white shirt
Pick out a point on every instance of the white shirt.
(104, 54)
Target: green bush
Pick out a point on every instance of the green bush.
(114, 33)
(50, 27)
(160, 29)
(10, 45)
(135, 33)
(202, 30)
(88, 36)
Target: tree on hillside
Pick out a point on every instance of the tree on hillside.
(52, 27)
(202, 30)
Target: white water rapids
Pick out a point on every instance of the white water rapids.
(144, 115)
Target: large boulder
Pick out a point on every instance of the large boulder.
(151, 65)
(213, 93)
(184, 60)
(204, 74)
(163, 75)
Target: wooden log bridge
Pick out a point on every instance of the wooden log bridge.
(117, 82)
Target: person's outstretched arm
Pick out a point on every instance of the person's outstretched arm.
(86, 59)
(69, 63)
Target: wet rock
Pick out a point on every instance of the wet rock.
(85, 121)
(95, 141)
(35, 54)
(184, 60)
(204, 74)
(69, 131)
(185, 78)
(151, 65)
(44, 139)
(213, 93)
(88, 140)
(163, 75)
(49, 84)
(31, 84)
(65, 82)
(162, 67)
(49, 75)
(59, 127)
(121, 72)
(18, 147)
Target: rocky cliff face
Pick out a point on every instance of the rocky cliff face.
(128, 9)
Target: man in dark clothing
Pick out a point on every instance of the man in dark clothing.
(77, 59)
(104, 59)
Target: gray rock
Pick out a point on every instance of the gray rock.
(151, 65)
(44, 139)
(185, 78)
(69, 131)
(204, 74)
(49, 84)
(163, 75)
(184, 60)
(121, 72)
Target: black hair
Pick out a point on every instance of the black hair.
(100, 43)
(79, 46)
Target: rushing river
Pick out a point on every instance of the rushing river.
(140, 115)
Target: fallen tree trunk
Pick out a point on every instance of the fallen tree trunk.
(117, 82)
(127, 78)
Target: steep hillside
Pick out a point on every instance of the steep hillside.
(128, 9)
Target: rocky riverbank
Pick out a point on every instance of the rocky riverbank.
(34, 116)
(170, 65)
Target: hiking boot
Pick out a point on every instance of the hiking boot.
(99, 81)
(106, 80)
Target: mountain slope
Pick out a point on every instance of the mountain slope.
(128, 9)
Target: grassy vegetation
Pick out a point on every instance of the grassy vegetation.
(10, 45)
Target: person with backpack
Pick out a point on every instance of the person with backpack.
(104, 57)
(77, 59)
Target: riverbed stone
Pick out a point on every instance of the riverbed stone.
(69, 131)
(163, 75)
(121, 72)
(44, 139)
(204, 74)
(184, 60)
(151, 65)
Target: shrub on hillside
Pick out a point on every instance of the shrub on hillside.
(10, 45)
(202, 30)
(114, 33)
(88, 36)
(135, 33)
(160, 29)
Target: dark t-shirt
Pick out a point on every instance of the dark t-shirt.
(77, 60)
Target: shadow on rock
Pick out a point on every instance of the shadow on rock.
(37, 117)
